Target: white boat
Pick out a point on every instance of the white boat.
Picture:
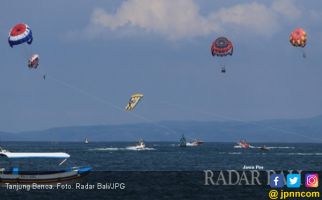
(194, 143)
(86, 141)
(191, 144)
(264, 148)
(15, 175)
(140, 145)
(243, 144)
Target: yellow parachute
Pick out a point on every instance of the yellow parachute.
(134, 100)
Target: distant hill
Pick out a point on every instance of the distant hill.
(283, 130)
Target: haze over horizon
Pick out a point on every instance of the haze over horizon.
(100, 53)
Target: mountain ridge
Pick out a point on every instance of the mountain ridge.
(274, 130)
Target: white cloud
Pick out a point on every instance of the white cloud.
(176, 19)
(179, 18)
(287, 8)
(254, 17)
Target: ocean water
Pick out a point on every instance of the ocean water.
(119, 156)
(167, 164)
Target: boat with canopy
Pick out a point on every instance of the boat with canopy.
(15, 175)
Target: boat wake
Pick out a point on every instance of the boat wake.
(234, 153)
(240, 147)
(258, 147)
(302, 154)
(130, 148)
(134, 148)
(281, 147)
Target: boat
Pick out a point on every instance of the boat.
(243, 144)
(199, 142)
(264, 148)
(195, 143)
(15, 175)
(140, 145)
(86, 141)
(183, 142)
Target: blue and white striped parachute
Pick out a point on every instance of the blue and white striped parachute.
(20, 33)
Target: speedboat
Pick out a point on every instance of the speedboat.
(264, 148)
(242, 144)
(15, 175)
(199, 142)
(191, 144)
(140, 145)
(195, 143)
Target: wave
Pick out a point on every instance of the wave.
(234, 153)
(133, 148)
(130, 148)
(305, 154)
(240, 147)
(281, 147)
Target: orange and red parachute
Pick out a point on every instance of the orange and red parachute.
(222, 47)
(298, 37)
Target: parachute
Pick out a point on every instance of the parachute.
(222, 47)
(19, 34)
(134, 100)
(33, 61)
(298, 38)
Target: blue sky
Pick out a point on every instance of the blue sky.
(97, 53)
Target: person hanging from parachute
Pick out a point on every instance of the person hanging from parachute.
(134, 100)
(222, 47)
(298, 38)
(19, 35)
(33, 61)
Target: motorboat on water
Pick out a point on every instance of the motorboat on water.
(86, 141)
(140, 145)
(264, 148)
(243, 144)
(183, 141)
(195, 143)
(15, 175)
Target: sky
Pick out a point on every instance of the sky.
(97, 53)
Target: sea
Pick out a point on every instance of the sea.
(163, 170)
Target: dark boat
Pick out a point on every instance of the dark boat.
(183, 142)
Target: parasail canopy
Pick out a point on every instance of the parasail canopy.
(222, 47)
(298, 37)
(134, 100)
(19, 34)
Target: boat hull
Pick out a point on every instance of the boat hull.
(44, 177)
